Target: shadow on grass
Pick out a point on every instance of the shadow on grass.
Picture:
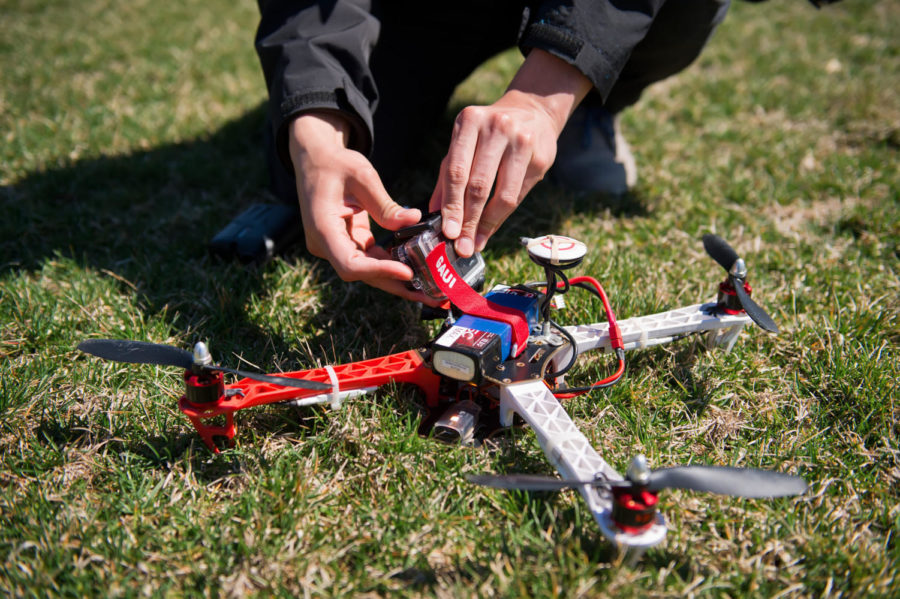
(145, 219)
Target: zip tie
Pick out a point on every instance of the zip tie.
(335, 400)
(644, 338)
(554, 246)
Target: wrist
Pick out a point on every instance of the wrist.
(317, 131)
(549, 84)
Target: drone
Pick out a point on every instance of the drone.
(500, 357)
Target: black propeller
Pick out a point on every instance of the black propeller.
(724, 254)
(724, 480)
(141, 352)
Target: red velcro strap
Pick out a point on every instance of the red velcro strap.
(472, 302)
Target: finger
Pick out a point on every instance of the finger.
(533, 176)
(395, 286)
(379, 253)
(455, 171)
(488, 156)
(332, 239)
(358, 266)
(508, 194)
(369, 191)
(324, 229)
(360, 231)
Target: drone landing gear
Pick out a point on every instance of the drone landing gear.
(723, 339)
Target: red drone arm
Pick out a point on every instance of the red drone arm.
(405, 367)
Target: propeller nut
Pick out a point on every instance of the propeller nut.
(202, 357)
(738, 269)
(638, 471)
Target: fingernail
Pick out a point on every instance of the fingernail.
(464, 247)
(452, 228)
(480, 241)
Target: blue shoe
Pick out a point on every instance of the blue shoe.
(592, 155)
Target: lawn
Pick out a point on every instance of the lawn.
(132, 132)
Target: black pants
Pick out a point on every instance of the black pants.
(417, 66)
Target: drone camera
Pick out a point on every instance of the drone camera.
(458, 423)
(413, 244)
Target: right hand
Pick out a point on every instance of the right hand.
(339, 190)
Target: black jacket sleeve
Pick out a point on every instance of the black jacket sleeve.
(315, 55)
(596, 36)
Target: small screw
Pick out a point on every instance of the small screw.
(507, 380)
(520, 364)
(501, 367)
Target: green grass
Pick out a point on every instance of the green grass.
(133, 131)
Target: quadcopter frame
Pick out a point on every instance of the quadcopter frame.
(528, 381)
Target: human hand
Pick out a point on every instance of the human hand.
(339, 190)
(508, 145)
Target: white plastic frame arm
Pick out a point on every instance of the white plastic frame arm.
(572, 455)
(646, 331)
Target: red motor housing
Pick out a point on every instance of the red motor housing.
(634, 508)
(728, 300)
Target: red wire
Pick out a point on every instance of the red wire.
(615, 336)
(604, 383)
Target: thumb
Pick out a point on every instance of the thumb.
(371, 194)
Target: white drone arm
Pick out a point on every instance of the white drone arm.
(572, 455)
(664, 327)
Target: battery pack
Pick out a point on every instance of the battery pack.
(471, 346)
(525, 300)
(474, 345)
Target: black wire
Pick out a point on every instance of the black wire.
(565, 280)
(585, 286)
(548, 295)
(592, 387)
(621, 355)
(574, 357)
(588, 287)
(593, 291)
